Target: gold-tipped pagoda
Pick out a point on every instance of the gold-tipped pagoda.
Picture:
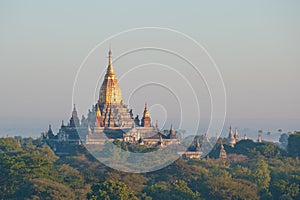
(111, 119)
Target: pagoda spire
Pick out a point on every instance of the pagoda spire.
(98, 112)
(99, 120)
(146, 112)
(171, 132)
(146, 120)
(74, 121)
(74, 113)
(230, 131)
(198, 146)
(222, 154)
(231, 138)
(50, 132)
(89, 129)
(236, 135)
(110, 91)
(110, 69)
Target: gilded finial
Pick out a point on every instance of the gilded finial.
(110, 69)
(146, 112)
(98, 112)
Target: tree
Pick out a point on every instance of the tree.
(19, 165)
(71, 177)
(9, 145)
(284, 139)
(241, 172)
(283, 189)
(293, 146)
(111, 190)
(182, 191)
(43, 189)
(262, 175)
(220, 185)
(269, 150)
(175, 191)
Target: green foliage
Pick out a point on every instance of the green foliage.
(241, 172)
(136, 181)
(110, 189)
(19, 165)
(70, 176)
(284, 139)
(30, 170)
(178, 190)
(136, 148)
(44, 189)
(283, 189)
(220, 185)
(293, 146)
(262, 175)
(9, 145)
(253, 149)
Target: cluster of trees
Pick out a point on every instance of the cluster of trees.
(31, 170)
(28, 170)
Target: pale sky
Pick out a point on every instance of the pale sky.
(255, 45)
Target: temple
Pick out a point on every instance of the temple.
(109, 119)
(231, 139)
(222, 154)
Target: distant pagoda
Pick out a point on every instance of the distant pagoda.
(222, 154)
(231, 139)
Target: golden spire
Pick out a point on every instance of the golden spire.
(110, 91)
(110, 69)
(146, 112)
(99, 121)
(98, 112)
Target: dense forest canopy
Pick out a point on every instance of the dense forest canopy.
(29, 169)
